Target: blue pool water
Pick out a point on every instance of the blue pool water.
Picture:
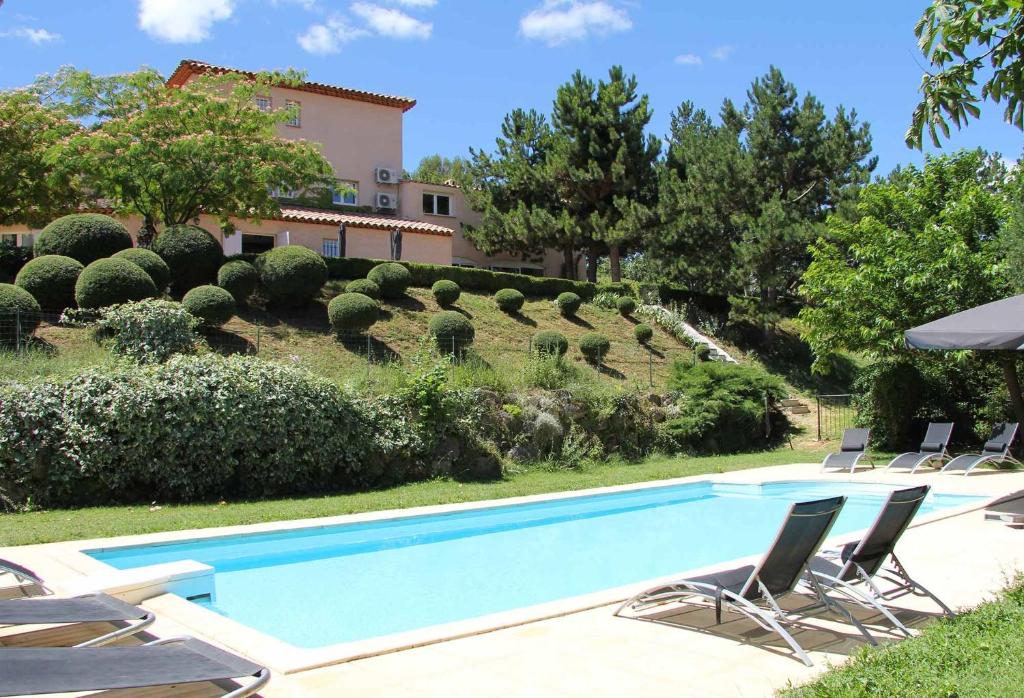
(313, 587)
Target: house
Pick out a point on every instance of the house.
(361, 136)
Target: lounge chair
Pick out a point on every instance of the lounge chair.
(852, 571)
(27, 582)
(91, 608)
(995, 450)
(780, 571)
(933, 448)
(170, 662)
(852, 448)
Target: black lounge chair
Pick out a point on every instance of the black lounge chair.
(995, 450)
(853, 570)
(933, 448)
(852, 448)
(170, 662)
(92, 608)
(781, 570)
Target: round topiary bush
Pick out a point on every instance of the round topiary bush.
(191, 253)
(594, 347)
(392, 279)
(112, 281)
(19, 314)
(151, 263)
(211, 304)
(452, 330)
(82, 236)
(51, 280)
(551, 343)
(626, 306)
(643, 333)
(445, 292)
(239, 278)
(509, 300)
(352, 312)
(363, 286)
(568, 303)
(292, 275)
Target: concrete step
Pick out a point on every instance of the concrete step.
(792, 402)
(800, 409)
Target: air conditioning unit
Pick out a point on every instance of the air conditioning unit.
(387, 201)
(386, 175)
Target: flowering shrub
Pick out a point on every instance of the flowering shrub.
(150, 331)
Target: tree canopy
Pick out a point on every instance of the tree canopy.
(437, 169)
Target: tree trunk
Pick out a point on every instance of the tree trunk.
(568, 263)
(1009, 363)
(613, 262)
(592, 260)
(147, 233)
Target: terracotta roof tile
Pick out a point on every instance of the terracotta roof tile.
(355, 220)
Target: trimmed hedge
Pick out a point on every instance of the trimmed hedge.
(292, 275)
(82, 236)
(445, 292)
(151, 263)
(238, 278)
(363, 286)
(643, 333)
(17, 304)
(352, 312)
(568, 303)
(551, 343)
(112, 281)
(509, 300)
(193, 255)
(51, 280)
(392, 279)
(594, 347)
(626, 306)
(449, 324)
(211, 304)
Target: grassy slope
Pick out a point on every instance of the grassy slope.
(97, 522)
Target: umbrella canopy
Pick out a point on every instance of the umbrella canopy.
(998, 326)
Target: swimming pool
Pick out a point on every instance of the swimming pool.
(320, 586)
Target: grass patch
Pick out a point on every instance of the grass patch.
(99, 522)
(977, 654)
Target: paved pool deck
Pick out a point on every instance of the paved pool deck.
(962, 558)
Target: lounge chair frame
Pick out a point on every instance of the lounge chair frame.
(969, 461)
(938, 432)
(853, 447)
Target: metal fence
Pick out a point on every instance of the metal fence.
(835, 413)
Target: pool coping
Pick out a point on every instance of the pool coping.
(285, 658)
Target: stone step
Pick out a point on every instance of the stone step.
(799, 409)
(792, 402)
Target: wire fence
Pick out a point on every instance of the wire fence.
(835, 414)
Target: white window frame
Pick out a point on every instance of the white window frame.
(279, 193)
(296, 121)
(433, 212)
(263, 102)
(329, 247)
(338, 197)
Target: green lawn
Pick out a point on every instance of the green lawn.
(98, 522)
(975, 655)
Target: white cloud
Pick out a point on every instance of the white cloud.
(182, 21)
(415, 3)
(559, 21)
(392, 23)
(722, 52)
(323, 39)
(36, 36)
(689, 59)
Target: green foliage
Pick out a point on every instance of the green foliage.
(12, 259)
(150, 331)
(451, 328)
(437, 169)
(626, 306)
(445, 292)
(292, 275)
(19, 313)
(112, 281)
(568, 303)
(721, 408)
(151, 263)
(213, 305)
(595, 347)
(392, 279)
(352, 312)
(643, 333)
(192, 254)
(239, 278)
(606, 299)
(550, 342)
(550, 371)
(363, 286)
(51, 280)
(509, 300)
(82, 236)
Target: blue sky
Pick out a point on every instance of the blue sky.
(469, 62)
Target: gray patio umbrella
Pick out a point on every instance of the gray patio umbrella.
(997, 326)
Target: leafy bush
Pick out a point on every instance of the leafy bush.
(352, 312)
(392, 279)
(12, 259)
(626, 306)
(150, 331)
(445, 292)
(363, 286)
(292, 275)
(594, 347)
(552, 372)
(112, 282)
(51, 280)
(643, 333)
(606, 299)
(568, 303)
(451, 329)
(19, 314)
(83, 236)
(151, 263)
(509, 300)
(722, 408)
(238, 278)
(211, 304)
(551, 343)
(191, 253)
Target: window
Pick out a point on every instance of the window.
(437, 204)
(262, 103)
(346, 198)
(282, 193)
(330, 247)
(257, 244)
(296, 119)
(11, 238)
(28, 239)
